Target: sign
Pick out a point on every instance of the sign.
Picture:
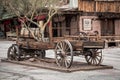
(87, 24)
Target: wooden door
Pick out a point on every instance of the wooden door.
(107, 27)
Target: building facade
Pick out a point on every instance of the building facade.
(88, 16)
(100, 15)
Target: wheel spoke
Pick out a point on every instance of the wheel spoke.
(61, 45)
(68, 53)
(99, 56)
(66, 64)
(98, 52)
(65, 46)
(89, 58)
(68, 60)
(58, 46)
(91, 61)
(95, 60)
(12, 50)
(67, 49)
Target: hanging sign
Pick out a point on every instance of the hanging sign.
(87, 24)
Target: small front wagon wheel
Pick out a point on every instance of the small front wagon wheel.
(64, 53)
(13, 53)
(94, 56)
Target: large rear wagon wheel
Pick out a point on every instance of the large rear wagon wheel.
(13, 53)
(94, 56)
(64, 53)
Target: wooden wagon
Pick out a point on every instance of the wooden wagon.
(65, 48)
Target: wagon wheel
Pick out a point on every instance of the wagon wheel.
(94, 56)
(40, 53)
(64, 53)
(13, 53)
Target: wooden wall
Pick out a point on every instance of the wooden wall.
(99, 6)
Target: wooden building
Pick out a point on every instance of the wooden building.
(90, 15)
(100, 15)
(65, 23)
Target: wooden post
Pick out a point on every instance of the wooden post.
(50, 32)
(17, 32)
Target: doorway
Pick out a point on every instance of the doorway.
(107, 27)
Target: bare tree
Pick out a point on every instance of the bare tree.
(28, 9)
(2, 11)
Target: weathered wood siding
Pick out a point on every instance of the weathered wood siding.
(117, 27)
(99, 6)
(87, 6)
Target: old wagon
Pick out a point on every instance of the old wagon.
(65, 48)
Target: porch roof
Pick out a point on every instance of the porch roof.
(102, 15)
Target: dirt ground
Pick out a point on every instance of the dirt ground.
(10, 71)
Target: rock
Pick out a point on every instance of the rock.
(32, 59)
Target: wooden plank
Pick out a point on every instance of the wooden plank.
(99, 6)
(94, 47)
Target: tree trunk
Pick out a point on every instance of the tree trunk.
(42, 34)
(41, 23)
